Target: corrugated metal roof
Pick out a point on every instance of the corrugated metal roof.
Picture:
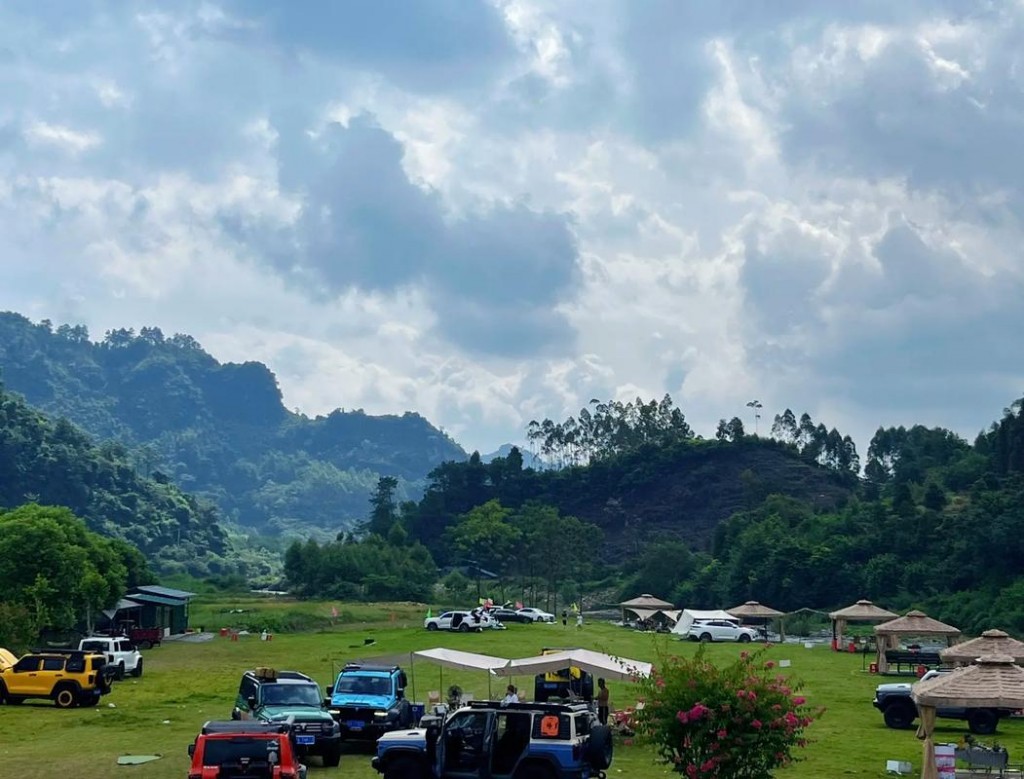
(167, 592)
(145, 597)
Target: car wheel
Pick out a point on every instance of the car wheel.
(982, 722)
(145, 644)
(64, 697)
(599, 747)
(404, 768)
(332, 756)
(705, 637)
(744, 638)
(119, 674)
(431, 626)
(899, 716)
(4, 697)
(464, 627)
(137, 670)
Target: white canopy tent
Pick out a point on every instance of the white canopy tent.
(460, 661)
(688, 616)
(596, 663)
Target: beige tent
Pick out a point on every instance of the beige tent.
(991, 642)
(913, 623)
(995, 682)
(645, 602)
(752, 611)
(861, 611)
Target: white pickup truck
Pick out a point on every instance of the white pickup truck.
(121, 654)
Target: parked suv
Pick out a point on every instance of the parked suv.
(258, 750)
(721, 630)
(899, 710)
(121, 654)
(279, 696)
(463, 621)
(67, 676)
(368, 700)
(497, 740)
(536, 615)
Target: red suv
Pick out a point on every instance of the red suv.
(253, 750)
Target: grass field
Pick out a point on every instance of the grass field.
(187, 683)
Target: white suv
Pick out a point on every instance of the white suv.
(462, 621)
(121, 654)
(721, 630)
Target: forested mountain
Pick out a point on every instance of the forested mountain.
(219, 431)
(54, 463)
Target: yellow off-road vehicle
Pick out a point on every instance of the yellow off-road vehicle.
(68, 677)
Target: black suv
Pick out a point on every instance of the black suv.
(289, 696)
(501, 741)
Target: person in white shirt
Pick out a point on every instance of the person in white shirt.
(510, 695)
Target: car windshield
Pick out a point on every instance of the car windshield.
(363, 685)
(220, 751)
(291, 695)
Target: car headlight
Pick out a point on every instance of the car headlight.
(380, 714)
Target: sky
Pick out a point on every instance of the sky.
(492, 211)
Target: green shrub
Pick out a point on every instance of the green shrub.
(737, 721)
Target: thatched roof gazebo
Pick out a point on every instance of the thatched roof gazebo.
(644, 603)
(991, 642)
(994, 683)
(913, 623)
(861, 611)
(752, 611)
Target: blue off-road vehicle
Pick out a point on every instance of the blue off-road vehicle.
(369, 700)
(500, 741)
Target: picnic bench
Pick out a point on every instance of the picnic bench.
(912, 659)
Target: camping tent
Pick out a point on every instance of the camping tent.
(861, 611)
(595, 663)
(991, 642)
(995, 682)
(688, 616)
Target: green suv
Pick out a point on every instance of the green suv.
(279, 696)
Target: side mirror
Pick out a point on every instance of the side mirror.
(272, 758)
(330, 690)
(191, 750)
(251, 700)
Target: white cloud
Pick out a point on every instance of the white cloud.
(63, 138)
(818, 206)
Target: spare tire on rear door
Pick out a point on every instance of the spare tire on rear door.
(599, 747)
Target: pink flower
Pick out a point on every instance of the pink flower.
(799, 700)
(722, 733)
(756, 724)
(770, 664)
(683, 717)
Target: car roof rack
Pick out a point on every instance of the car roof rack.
(552, 708)
(370, 667)
(277, 676)
(246, 726)
(65, 651)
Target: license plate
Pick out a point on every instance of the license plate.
(306, 740)
(355, 724)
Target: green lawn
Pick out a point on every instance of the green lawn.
(188, 683)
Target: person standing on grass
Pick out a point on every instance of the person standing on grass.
(565, 618)
(602, 702)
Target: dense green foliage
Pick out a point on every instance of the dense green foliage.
(219, 431)
(54, 463)
(54, 572)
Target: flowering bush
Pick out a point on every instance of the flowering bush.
(736, 721)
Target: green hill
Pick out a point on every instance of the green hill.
(54, 463)
(218, 430)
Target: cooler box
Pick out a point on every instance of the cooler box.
(418, 710)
